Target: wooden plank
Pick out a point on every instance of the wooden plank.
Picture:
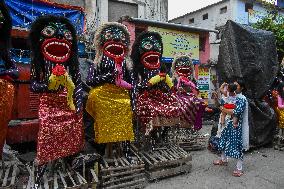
(168, 172)
(135, 153)
(71, 178)
(105, 162)
(80, 178)
(94, 175)
(125, 160)
(122, 168)
(123, 173)
(151, 157)
(147, 160)
(45, 182)
(124, 178)
(55, 181)
(124, 185)
(5, 180)
(181, 153)
(14, 174)
(30, 184)
(172, 154)
(62, 179)
(138, 186)
(161, 156)
(157, 156)
(165, 154)
(121, 161)
(1, 173)
(115, 161)
(168, 163)
(177, 155)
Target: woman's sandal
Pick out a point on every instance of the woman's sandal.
(220, 162)
(238, 173)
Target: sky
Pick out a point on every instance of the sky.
(181, 7)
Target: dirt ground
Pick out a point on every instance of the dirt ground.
(263, 168)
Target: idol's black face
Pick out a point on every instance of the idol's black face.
(150, 50)
(56, 42)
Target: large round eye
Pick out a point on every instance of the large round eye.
(123, 37)
(68, 35)
(148, 46)
(108, 35)
(48, 31)
(158, 46)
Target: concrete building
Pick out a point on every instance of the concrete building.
(100, 11)
(216, 15)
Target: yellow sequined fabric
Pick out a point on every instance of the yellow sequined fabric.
(280, 113)
(110, 106)
(6, 104)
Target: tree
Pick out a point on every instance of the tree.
(274, 22)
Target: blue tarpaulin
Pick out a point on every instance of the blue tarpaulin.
(24, 12)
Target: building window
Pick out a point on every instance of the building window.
(223, 10)
(205, 16)
(191, 21)
(202, 42)
(116, 9)
(248, 6)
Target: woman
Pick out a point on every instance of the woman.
(235, 138)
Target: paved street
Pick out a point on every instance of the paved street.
(264, 169)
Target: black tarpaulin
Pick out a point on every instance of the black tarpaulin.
(251, 55)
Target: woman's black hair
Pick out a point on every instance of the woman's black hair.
(241, 82)
(232, 87)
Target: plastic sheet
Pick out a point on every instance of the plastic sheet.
(251, 55)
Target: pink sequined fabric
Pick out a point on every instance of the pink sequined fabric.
(60, 130)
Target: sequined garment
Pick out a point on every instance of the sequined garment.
(111, 108)
(6, 104)
(279, 108)
(157, 101)
(192, 107)
(60, 132)
(280, 113)
(109, 105)
(54, 48)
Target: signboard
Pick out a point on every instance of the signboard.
(203, 82)
(177, 43)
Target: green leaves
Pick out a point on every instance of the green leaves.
(274, 22)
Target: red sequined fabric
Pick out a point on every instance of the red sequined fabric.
(156, 103)
(6, 104)
(60, 131)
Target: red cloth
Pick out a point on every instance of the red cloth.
(60, 129)
(229, 106)
(6, 105)
(6, 77)
(154, 103)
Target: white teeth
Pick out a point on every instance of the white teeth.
(57, 43)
